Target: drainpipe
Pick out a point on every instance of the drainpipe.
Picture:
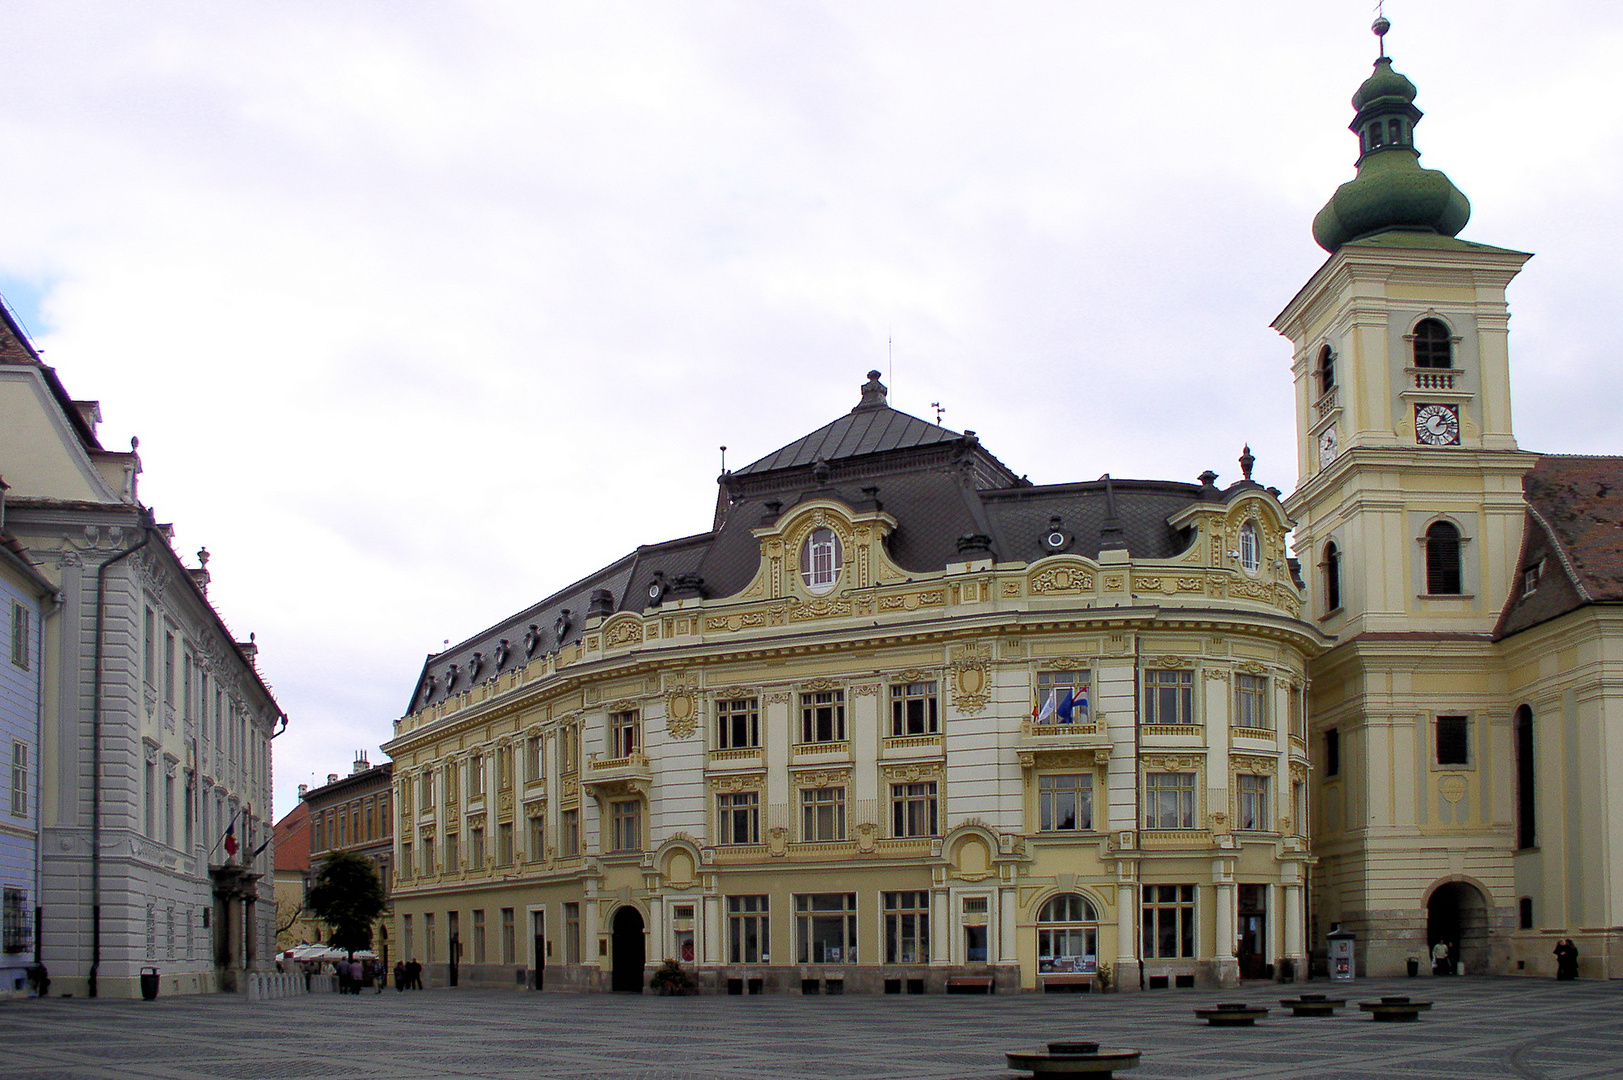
(145, 524)
(52, 605)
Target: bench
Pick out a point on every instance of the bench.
(1072, 1058)
(1231, 1014)
(1313, 1005)
(1394, 1009)
(1069, 980)
(970, 984)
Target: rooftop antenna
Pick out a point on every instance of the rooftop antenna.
(939, 409)
(1381, 26)
(724, 460)
(890, 356)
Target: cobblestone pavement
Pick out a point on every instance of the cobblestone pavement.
(1479, 1028)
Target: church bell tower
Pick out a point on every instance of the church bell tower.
(1409, 516)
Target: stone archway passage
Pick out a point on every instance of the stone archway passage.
(1457, 914)
(629, 949)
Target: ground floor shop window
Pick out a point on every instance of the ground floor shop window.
(1169, 921)
(907, 927)
(826, 928)
(1068, 935)
(748, 930)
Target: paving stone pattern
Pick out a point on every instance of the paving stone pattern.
(1534, 1030)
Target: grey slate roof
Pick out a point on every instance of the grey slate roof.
(939, 485)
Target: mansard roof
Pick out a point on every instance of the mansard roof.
(1574, 531)
(939, 486)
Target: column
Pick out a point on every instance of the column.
(711, 945)
(1294, 946)
(1126, 974)
(1225, 967)
(1008, 909)
(941, 929)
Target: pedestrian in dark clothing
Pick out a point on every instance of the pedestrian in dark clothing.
(1566, 960)
(399, 976)
(414, 974)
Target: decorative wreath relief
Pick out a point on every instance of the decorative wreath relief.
(681, 713)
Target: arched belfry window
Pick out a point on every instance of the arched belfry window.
(1443, 559)
(1327, 370)
(1332, 576)
(1433, 345)
(1250, 548)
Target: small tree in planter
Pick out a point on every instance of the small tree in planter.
(671, 979)
(1103, 978)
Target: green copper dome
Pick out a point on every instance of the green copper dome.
(1391, 190)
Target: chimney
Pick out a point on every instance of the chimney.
(332, 778)
(304, 789)
(201, 574)
(250, 651)
(90, 413)
(360, 763)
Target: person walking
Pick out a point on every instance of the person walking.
(399, 976)
(1439, 958)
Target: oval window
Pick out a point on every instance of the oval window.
(820, 560)
(1250, 549)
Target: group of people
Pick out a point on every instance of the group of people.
(355, 974)
(1566, 960)
(408, 975)
(1444, 960)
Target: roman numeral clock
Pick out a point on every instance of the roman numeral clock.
(1437, 425)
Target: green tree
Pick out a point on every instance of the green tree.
(347, 896)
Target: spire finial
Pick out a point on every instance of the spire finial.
(1246, 461)
(1381, 25)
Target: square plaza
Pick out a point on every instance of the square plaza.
(1478, 1028)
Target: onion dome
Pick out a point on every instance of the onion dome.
(1391, 190)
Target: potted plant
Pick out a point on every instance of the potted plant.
(671, 979)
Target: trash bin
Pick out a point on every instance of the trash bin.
(149, 983)
(1341, 954)
(1414, 966)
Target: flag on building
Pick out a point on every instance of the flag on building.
(231, 837)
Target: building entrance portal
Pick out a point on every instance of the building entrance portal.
(630, 950)
(1252, 949)
(1457, 915)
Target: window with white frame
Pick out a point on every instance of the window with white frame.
(1065, 802)
(1169, 697)
(538, 836)
(738, 817)
(1169, 800)
(907, 927)
(1168, 922)
(914, 709)
(914, 809)
(1253, 803)
(1250, 548)
(625, 825)
(476, 776)
(822, 716)
(822, 814)
(19, 778)
(826, 928)
(19, 928)
(1062, 697)
(568, 749)
(749, 939)
(625, 733)
(738, 724)
(820, 560)
(1251, 701)
(1067, 935)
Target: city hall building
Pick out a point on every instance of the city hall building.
(905, 722)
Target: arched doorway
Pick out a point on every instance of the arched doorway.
(1457, 914)
(630, 950)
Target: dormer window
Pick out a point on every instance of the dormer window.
(820, 560)
(1530, 578)
(1433, 345)
(1250, 548)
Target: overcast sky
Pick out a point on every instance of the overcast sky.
(423, 311)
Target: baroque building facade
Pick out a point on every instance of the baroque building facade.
(1467, 720)
(355, 814)
(154, 792)
(900, 721)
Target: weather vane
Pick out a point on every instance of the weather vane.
(939, 409)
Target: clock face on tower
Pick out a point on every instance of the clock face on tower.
(1437, 425)
(1328, 445)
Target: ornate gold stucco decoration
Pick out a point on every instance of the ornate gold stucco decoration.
(820, 608)
(1216, 673)
(1171, 762)
(822, 778)
(1062, 579)
(626, 631)
(681, 712)
(971, 680)
(819, 685)
(738, 782)
(912, 773)
(865, 690)
(736, 622)
(1253, 764)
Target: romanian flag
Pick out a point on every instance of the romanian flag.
(231, 837)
